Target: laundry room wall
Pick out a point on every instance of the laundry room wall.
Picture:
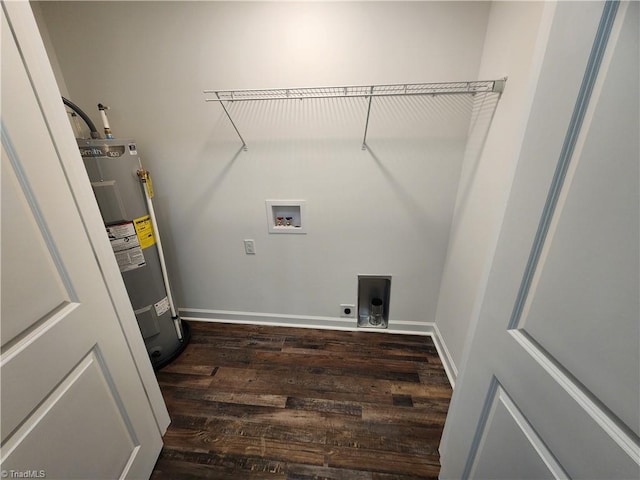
(489, 165)
(384, 210)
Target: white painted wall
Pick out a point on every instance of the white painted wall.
(488, 169)
(36, 8)
(385, 211)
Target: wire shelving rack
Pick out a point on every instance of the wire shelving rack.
(226, 97)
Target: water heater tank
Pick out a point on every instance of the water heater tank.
(112, 165)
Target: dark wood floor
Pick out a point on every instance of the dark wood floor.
(258, 402)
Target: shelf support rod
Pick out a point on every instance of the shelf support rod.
(244, 144)
(366, 126)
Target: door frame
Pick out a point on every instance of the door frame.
(32, 50)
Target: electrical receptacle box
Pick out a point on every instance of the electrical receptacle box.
(347, 310)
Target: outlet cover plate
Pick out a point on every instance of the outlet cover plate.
(249, 246)
(347, 310)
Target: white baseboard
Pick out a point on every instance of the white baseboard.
(404, 327)
(447, 360)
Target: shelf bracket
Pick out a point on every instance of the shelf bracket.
(366, 126)
(244, 144)
(498, 85)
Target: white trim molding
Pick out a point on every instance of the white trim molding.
(445, 356)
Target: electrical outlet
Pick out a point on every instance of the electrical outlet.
(249, 247)
(347, 310)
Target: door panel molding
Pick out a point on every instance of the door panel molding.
(482, 423)
(27, 191)
(32, 256)
(90, 369)
(37, 330)
(600, 414)
(579, 134)
(573, 131)
(100, 360)
(500, 399)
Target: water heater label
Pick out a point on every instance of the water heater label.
(111, 151)
(144, 229)
(162, 306)
(125, 245)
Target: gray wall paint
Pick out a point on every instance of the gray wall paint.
(488, 169)
(385, 211)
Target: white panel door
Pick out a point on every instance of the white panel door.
(550, 385)
(73, 403)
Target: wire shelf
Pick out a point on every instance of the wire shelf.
(406, 89)
(224, 97)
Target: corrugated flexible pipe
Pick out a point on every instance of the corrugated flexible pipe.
(84, 116)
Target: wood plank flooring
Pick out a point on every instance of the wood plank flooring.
(261, 402)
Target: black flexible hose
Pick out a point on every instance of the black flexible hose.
(85, 117)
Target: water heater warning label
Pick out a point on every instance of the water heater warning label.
(125, 245)
(144, 230)
(162, 306)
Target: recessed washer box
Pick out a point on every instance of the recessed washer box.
(286, 216)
